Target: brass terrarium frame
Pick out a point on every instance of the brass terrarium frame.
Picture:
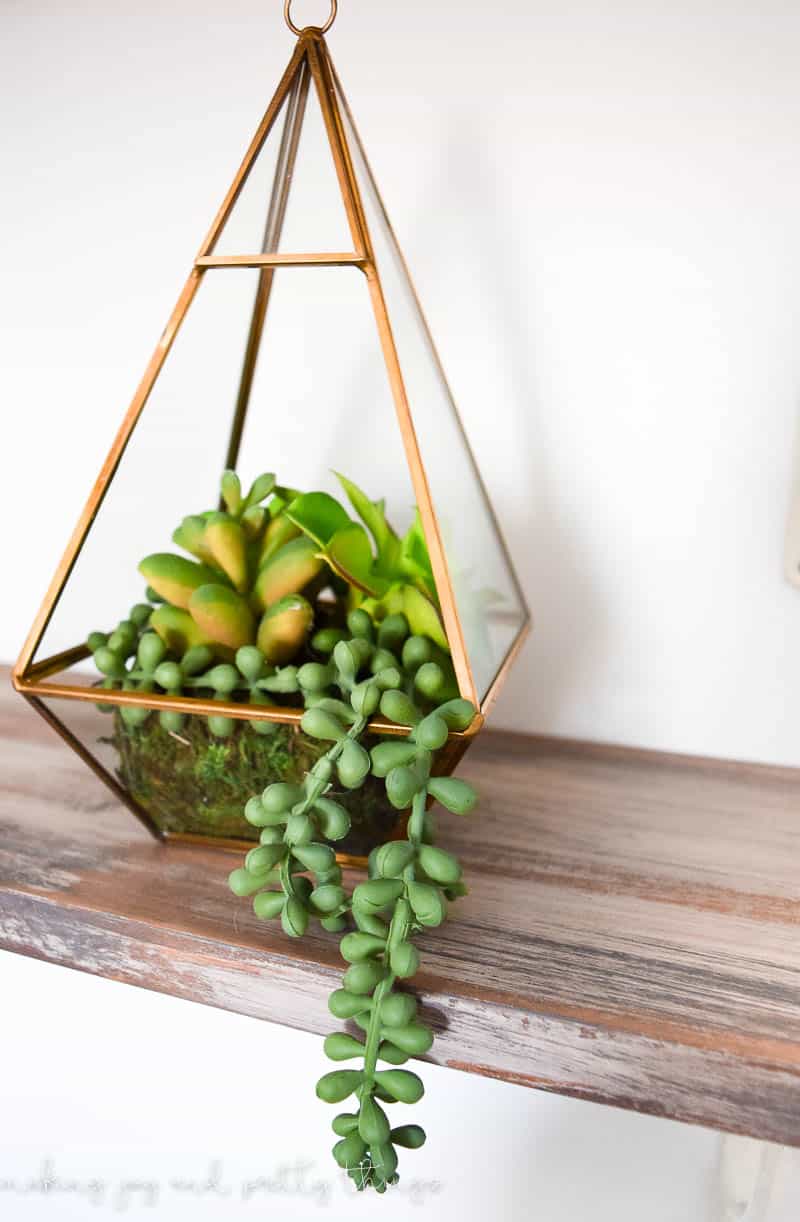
(310, 63)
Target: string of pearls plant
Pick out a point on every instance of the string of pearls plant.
(239, 621)
(293, 876)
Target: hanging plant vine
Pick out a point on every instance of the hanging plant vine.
(237, 622)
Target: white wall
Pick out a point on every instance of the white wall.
(143, 1095)
(600, 205)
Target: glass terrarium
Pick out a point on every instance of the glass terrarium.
(298, 357)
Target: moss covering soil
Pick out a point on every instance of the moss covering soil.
(192, 781)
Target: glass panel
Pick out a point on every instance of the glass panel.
(488, 598)
(290, 201)
(189, 778)
(319, 404)
(321, 400)
(88, 723)
(171, 466)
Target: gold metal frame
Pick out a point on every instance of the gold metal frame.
(310, 62)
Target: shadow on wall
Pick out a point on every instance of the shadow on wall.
(549, 553)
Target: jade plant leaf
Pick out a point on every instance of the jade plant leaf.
(260, 489)
(177, 629)
(222, 615)
(231, 489)
(227, 543)
(283, 628)
(253, 522)
(279, 531)
(174, 577)
(287, 571)
(318, 515)
(190, 535)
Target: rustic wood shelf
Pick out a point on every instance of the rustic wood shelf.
(631, 934)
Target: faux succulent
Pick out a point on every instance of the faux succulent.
(288, 599)
(293, 874)
(261, 565)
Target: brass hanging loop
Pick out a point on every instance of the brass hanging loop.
(287, 7)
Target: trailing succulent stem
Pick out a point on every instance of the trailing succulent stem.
(289, 601)
(410, 883)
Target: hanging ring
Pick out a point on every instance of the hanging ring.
(323, 29)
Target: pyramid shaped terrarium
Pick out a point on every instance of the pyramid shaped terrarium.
(215, 617)
(297, 658)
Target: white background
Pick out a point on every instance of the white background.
(600, 206)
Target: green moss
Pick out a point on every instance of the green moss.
(190, 781)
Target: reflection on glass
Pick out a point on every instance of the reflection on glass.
(488, 598)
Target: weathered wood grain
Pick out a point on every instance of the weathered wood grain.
(631, 933)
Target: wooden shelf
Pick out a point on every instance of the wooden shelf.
(631, 933)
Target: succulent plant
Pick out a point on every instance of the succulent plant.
(294, 601)
(258, 571)
(385, 574)
(293, 875)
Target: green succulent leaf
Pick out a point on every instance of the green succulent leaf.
(377, 894)
(334, 820)
(344, 1004)
(350, 1151)
(357, 946)
(228, 545)
(316, 857)
(344, 1123)
(392, 858)
(231, 489)
(415, 1039)
(222, 615)
(174, 577)
(278, 532)
(342, 1047)
(260, 489)
(284, 627)
(318, 723)
(410, 1136)
(414, 561)
(179, 632)
(398, 1010)
(423, 617)
(454, 794)
(318, 515)
(269, 904)
(440, 866)
(392, 754)
(191, 536)
(404, 960)
(373, 515)
(294, 917)
(363, 977)
(401, 1084)
(335, 1086)
(427, 902)
(373, 1126)
(328, 898)
(287, 570)
(353, 764)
